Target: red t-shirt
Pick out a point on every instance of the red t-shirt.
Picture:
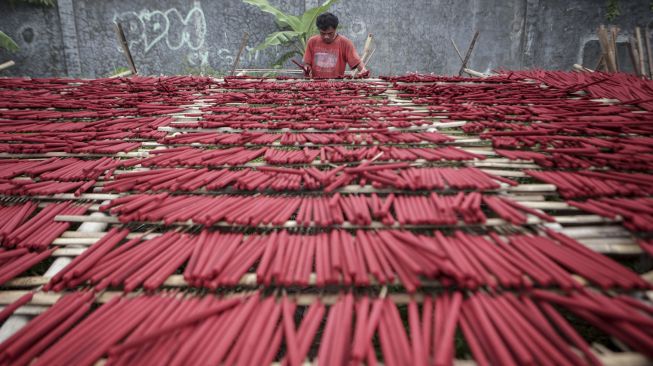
(330, 60)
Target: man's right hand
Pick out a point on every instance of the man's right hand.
(307, 70)
(362, 73)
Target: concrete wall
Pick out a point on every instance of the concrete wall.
(38, 33)
(77, 37)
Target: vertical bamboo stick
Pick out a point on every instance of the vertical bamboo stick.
(634, 56)
(469, 54)
(649, 52)
(608, 53)
(243, 43)
(640, 51)
(614, 31)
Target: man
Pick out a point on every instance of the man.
(328, 54)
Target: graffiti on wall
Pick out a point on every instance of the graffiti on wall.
(148, 28)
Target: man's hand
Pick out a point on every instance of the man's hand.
(306, 68)
(364, 73)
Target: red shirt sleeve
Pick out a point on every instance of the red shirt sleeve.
(308, 54)
(352, 56)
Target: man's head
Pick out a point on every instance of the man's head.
(327, 24)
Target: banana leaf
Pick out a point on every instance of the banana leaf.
(7, 43)
(294, 31)
(278, 38)
(283, 19)
(41, 2)
(285, 57)
(308, 18)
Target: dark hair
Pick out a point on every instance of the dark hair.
(326, 20)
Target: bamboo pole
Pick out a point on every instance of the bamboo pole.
(6, 65)
(243, 43)
(369, 57)
(649, 52)
(469, 54)
(601, 64)
(606, 48)
(634, 55)
(614, 31)
(282, 71)
(640, 51)
(581, 68)
(476, 73)
(460, 56)
(125, 47)
(366, 50)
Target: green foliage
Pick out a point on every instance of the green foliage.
(612, 11)
(285, 57)
(278, 39)
(119, 70)
(294, 31)
(5, 41)
(40, 2)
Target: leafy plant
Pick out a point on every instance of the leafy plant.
(612, 11)
(37, 2)
(294, 31)
(5, 41)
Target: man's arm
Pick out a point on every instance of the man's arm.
(363, 72)
(306, 68)
(308, 59)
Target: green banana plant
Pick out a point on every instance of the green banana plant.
(7, 43)
(294, 31)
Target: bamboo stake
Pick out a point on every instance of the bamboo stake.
(469, 54)
(121, 74)
(601, 64)
(243, 43)
(125, 47)
(375, 225)
(283, 71)
(366, 50)
(649, 52)
(608, 51)
(366, 62)
(6, 65)
(604, 47)
(634, 55)
(581, 68)
(476, 73)
(640, 51)
(457, 50)
(614, 31)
